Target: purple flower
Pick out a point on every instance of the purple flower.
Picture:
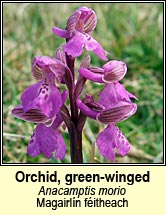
(79, 27)
(41, 103)
(36, 115)
(109, 139)
(44, 95)
(111, 72)
(46, 140)
(114, 105)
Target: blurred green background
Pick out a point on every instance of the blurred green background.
(131, 32)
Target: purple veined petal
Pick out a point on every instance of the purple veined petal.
(37, 71)
(72, 22)
(86, 110)
(60, 32)
(106, 142)
(123, 145)
(114, 71)
(33, 115)
(40, 65)
(95, 77)
(43, 141)
(83, 20)
(43, 65)
(61, 147)
(90, 22)
(117, 114)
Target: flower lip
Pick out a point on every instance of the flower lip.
(47, 141)
(109, 139)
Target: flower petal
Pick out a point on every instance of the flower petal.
(50, 103)
(86, 110)
(29, 96)
(123, 145)
(57, 119)
(43, 141)
(106, 142)
(75, 45)
(60, 148)
(43, 65)
(109, 139)
(33, 115)
(33, 148)
(114, 71)
(83, 19)
(123, 93)
(60, 32)
(95, 77)
(117, 114)
(92, 45)
(114, 94)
